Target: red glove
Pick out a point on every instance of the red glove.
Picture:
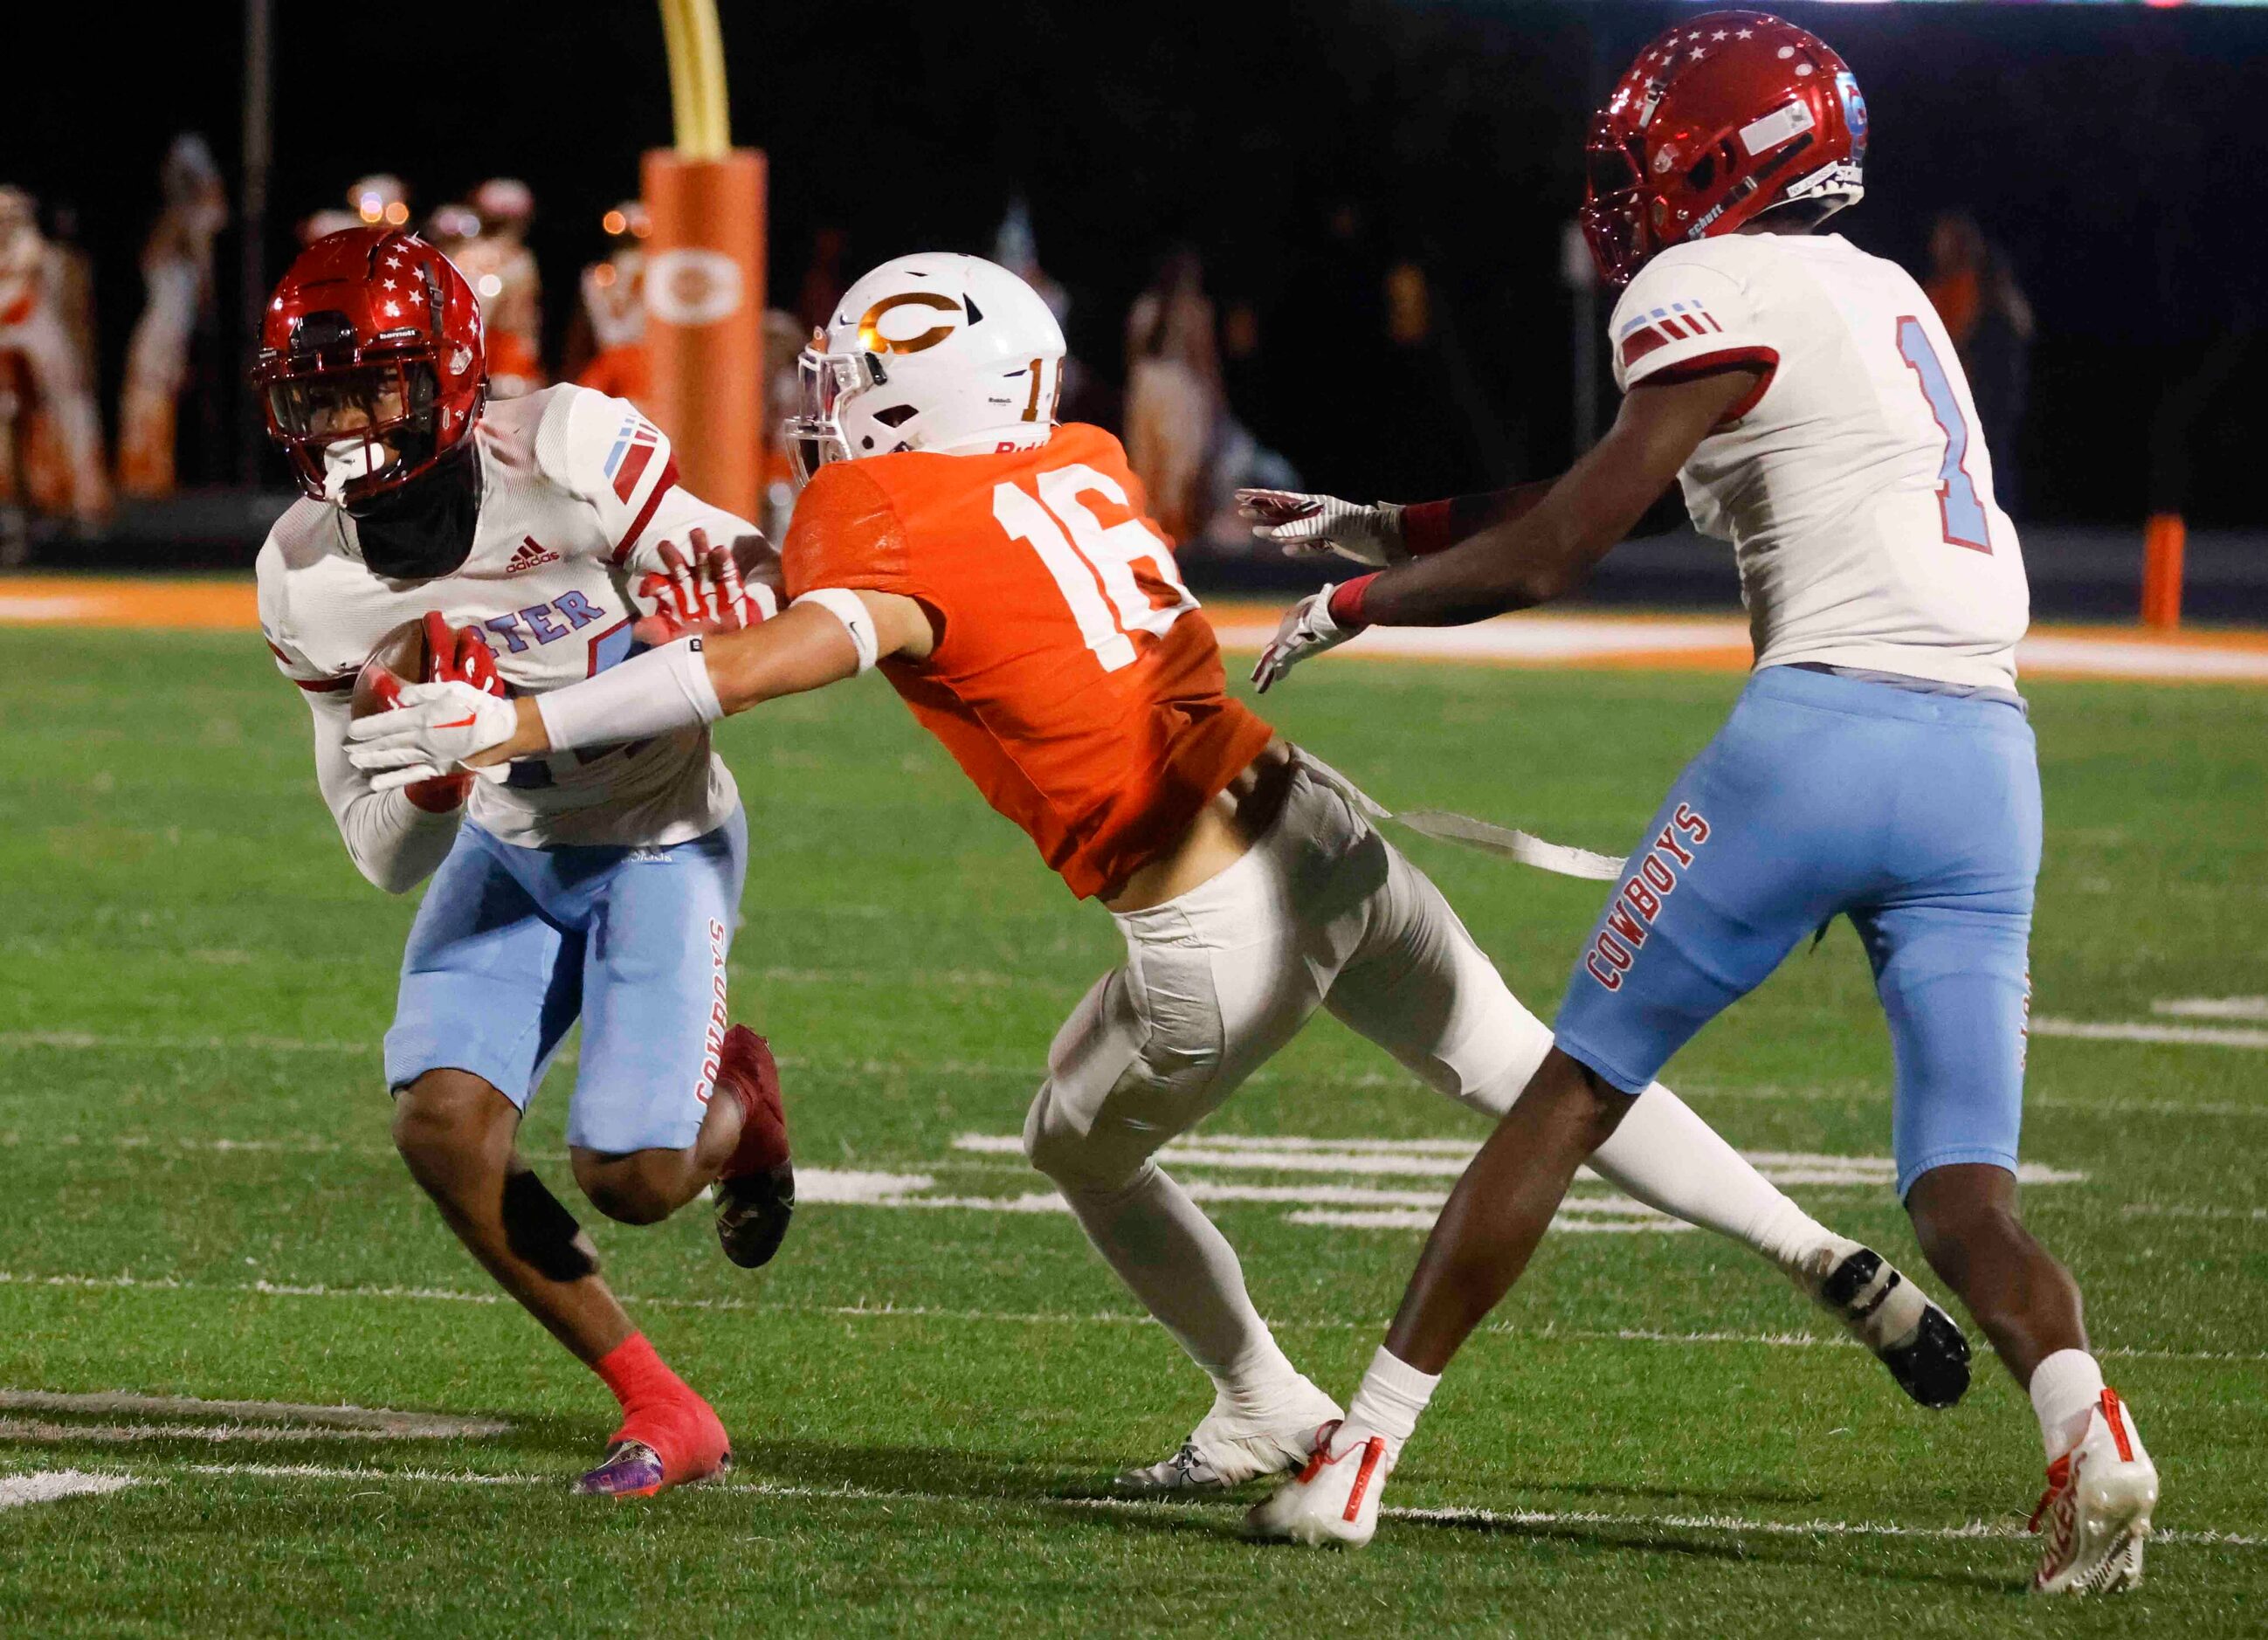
(702, 592)
(460, 657)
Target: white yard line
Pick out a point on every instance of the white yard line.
(375, 1419)
(1513, 1519)
(2182, 1035)
(1261, 1144)
(171, 1044)
(48, 1432)
(1656, 1225)
(1009, 1318)
(46, 1486)
(952, 979)
(1741, 1525)
(1025, 1072)
(2212, 1007)
(1448, 1158)
(1536, 640)
(33, 606)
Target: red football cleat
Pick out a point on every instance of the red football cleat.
(756, 1188)
(675, 1442)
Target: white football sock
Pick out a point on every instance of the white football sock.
(2066, 1387)
(1185, 1274)
(1672, 1161)
(1392, 1396)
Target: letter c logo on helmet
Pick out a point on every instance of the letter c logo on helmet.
(871, 339)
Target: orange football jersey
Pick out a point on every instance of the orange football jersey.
(1074, 677)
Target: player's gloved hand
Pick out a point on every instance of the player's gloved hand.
(701, 592)
(1308, 527)
(458, 657)
(437, 731)
(1305, 631)
(461, 657)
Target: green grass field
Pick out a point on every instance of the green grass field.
(1656, 1438)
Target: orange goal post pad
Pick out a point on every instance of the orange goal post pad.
(704, 295)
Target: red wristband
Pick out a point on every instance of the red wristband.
(1347, 601)
(1428, 526)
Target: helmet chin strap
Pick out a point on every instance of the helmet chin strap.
(425, 528)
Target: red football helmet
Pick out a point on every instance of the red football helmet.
(371, 365)
(1720, 120)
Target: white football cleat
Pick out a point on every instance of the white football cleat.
(1223, 1452)
(1334, 1501)
(2096, 1513)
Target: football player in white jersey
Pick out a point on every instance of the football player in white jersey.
(604, 884)
(1879, 765)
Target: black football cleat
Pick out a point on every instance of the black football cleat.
(752, 1212)
(1923, 1347)
(755, 1189)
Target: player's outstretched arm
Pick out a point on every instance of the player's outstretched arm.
(823, 639)
(829, 636)
(1535, 552)
(1309, 526)
(1547, 551)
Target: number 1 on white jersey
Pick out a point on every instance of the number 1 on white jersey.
(1965, 524)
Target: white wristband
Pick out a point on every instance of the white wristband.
(657, 692)
(850, 609)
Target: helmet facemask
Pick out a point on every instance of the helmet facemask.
(824, 381)
(357, 431)
(1614, 213)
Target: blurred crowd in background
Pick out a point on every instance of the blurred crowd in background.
(1327, 239)
(1198, 394)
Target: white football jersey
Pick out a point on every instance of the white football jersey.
(577, 491)
(1855, 486)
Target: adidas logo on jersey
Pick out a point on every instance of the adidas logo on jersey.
(530, 554)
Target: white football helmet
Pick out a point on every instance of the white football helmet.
(939, 352)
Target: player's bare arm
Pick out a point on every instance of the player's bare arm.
(1385, 533)
(1546, 540)
(1545, 551)
(809, 647)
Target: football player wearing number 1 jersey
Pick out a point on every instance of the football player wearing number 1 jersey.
(1879, 765)
(1001, 572)
(604, 883)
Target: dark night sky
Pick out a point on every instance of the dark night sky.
(2118, 152)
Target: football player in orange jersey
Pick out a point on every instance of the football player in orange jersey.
(1001, 572)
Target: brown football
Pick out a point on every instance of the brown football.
(404, 652)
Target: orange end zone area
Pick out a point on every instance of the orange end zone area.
(217, 605)
(1718, 642)
(1661, 643)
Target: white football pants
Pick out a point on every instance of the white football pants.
(1321, 912)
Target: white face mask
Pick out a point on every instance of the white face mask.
(347, 460)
